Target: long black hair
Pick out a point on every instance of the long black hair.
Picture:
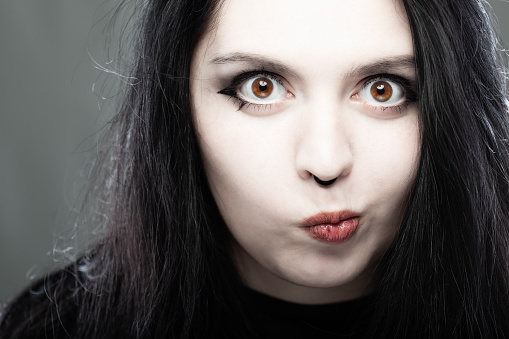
(447, 272)
(163, 267)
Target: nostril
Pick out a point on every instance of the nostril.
(324, 183)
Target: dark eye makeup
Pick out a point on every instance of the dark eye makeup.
(407, 88)
(233, 89)
(382, 87)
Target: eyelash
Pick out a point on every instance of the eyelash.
(408, 90)
(232, 89)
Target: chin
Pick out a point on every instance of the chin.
(330, 278)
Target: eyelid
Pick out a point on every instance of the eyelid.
(232, 90)
(408, 89)
(244, 76)
(403, 82)
(386, 76)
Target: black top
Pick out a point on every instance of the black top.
(50, 309)
(274, 318)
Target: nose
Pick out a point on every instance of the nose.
(324, 153)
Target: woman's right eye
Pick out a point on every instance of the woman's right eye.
(255, 88)
(262, 90)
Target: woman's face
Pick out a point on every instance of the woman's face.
(286, 91)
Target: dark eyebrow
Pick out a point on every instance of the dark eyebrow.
(256, 60)
(385, 65)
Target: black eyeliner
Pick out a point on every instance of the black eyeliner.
(411, 93)
(231, 89)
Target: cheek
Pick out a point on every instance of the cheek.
(248, 163)
(392, 166)
(228, 159)
(241, 153)
(240, 168)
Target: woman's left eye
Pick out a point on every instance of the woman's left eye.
(262, 89)
(385, 92)
(256, 88)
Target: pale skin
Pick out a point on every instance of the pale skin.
(320, 119)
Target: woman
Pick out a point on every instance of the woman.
(334, 170)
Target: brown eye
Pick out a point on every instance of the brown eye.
(384, 91)
(381, 91)
(262, 87)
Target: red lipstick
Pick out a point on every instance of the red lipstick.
(332, 227)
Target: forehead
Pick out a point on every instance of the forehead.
(300, 31)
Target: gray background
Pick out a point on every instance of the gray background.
(49, 116)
